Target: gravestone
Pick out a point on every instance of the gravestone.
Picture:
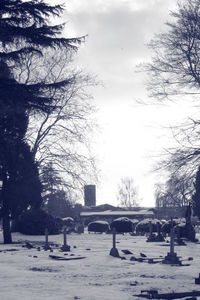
(189, 228)
(114, 252)
(46, 246)
(80, 228)
(172, 257)
(159, 237)
(197, 280)
(65, 247)
(152, 236)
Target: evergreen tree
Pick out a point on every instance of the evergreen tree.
(196, 196)
(24, 30)
(55, 200)
(58, 205)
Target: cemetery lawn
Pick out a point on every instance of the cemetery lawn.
(31, 274)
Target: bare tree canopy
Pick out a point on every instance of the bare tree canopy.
(31, 88)
(174, 73)
(176, 192)
(61, 136)
(175, 64)
(127, 193)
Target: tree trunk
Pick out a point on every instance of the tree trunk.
(7, 230)
(5, 210)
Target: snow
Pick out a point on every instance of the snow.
(30, 274)
(100, 222)
(117, 213)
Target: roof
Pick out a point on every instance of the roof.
(141, 213)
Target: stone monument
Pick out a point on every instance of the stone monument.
(189, 229)
(172, 257)
(159, 237)
(114, 251)
(65, 247)
(152, 236)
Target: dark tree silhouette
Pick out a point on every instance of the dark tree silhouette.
(196, 195)
(24, 30)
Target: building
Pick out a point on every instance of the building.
(90, 195)
(98, 213)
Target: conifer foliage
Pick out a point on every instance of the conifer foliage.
(24, 29)
(196, 195)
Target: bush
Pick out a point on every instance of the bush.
(68, 221)
(135, 222)
(122, 225)
(98, 226)
(143, 226)
(35, 221)
(185, 230)
(166, 227)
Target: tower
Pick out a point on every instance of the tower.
(90, 195)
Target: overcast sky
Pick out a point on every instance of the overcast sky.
(130, 135)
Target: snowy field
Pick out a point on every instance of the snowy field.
(31, 274)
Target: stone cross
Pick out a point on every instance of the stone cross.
(114, 238)
(172, 257)
(65, 247)
(151, 236)
(150, 228)
(46, 246)
(172, 236)
(65, 236)
(158, 228)
(114, 252)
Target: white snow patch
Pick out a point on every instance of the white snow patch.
(31, 274)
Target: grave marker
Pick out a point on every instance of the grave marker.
(197, 280)
(46, 246)
(172, 257)
(65, 247)
(114, 252)
(159, 237)
(151, 237)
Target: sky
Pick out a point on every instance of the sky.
(131, 136)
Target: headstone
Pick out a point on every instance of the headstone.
(151, 237)
(80, 228)
(114, 252)
(197, 280)
(46, 246)
(190, 232)
(159, 237)
(172, 257)
(65, 247)
(188, 213)
(189, 228)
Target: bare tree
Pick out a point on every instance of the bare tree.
(174, 73)
(61, 136)
(175, 65)
(159, 194)
(127, 193)
(176, 192)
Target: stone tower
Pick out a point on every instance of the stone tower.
(90, 195)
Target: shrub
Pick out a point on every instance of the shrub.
(98, 226)
(143, 226)
(122, 225)
(185, 230)
(68, 221)
(166, 227)
(35, 221)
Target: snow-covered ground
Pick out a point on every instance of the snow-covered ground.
(31, 274)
